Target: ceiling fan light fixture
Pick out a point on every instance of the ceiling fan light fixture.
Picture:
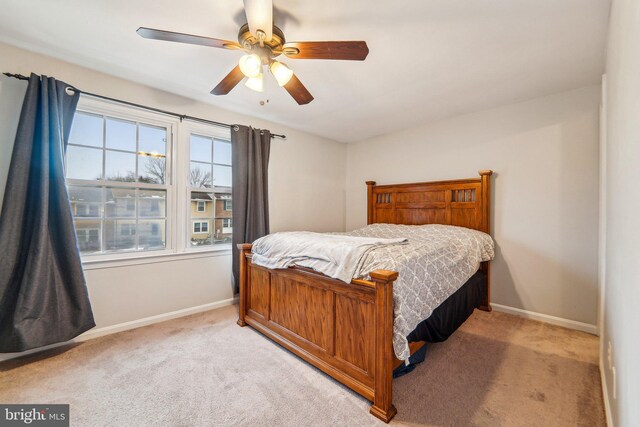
(281, 72)
(255, 83)
(250, 65)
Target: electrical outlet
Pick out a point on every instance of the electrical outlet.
(609, 356)
(613, 380)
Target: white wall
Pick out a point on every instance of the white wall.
(622, 252)
(306, 182)
(545, 192)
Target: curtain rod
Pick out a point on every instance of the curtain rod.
(157, 110)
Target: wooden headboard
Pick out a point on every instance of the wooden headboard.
(461, 202)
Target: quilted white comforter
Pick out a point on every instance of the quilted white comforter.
(435, 263)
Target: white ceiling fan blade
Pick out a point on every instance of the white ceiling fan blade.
(259, 16)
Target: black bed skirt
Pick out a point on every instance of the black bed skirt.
(446, 318)
(452, 313)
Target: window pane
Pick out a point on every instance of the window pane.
(86, 130)
(152, 139)
(84, 163)
(152, 234)
(200, 148)
(121, 135)
(201, 218)
(86, 202)
(152, 169)
(121, 203)
(120, 235)
(111, 217)
(152, 204)
(200, 175)
(223, 230)
(120, 166)
(200, 235)
(89, 233)
(222, 152)
(201, 204)
(222, 176)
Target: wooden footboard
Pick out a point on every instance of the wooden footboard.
(345, 330)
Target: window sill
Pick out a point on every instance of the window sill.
(119, 260)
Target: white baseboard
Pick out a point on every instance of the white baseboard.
(559, 321)
(121, 327)
(605, 396)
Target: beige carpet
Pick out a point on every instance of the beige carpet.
(204, 370)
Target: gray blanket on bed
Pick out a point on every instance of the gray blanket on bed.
(334, 255)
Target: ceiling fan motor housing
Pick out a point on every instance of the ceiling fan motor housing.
(269, 49)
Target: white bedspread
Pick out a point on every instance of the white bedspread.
(334, 255)
(435, 263)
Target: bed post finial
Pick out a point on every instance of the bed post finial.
(370, 185)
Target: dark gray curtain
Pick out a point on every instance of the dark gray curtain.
(43, 295)
(250, 162)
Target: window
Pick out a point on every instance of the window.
(127, 171)
(201, 226)
(209, 180)
(88, 238)
(117, 176)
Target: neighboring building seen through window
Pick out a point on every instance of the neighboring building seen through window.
(210, 194)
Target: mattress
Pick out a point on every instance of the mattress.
(435, 263)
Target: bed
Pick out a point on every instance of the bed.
(346, 329)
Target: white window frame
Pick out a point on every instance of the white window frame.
(226, 204)
(178, 213)
(204, 206)
(123, 112)
(186, 129)
(200, 223)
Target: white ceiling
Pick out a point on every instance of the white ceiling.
(429, 59)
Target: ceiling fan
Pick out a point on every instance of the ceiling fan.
(262, 42)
